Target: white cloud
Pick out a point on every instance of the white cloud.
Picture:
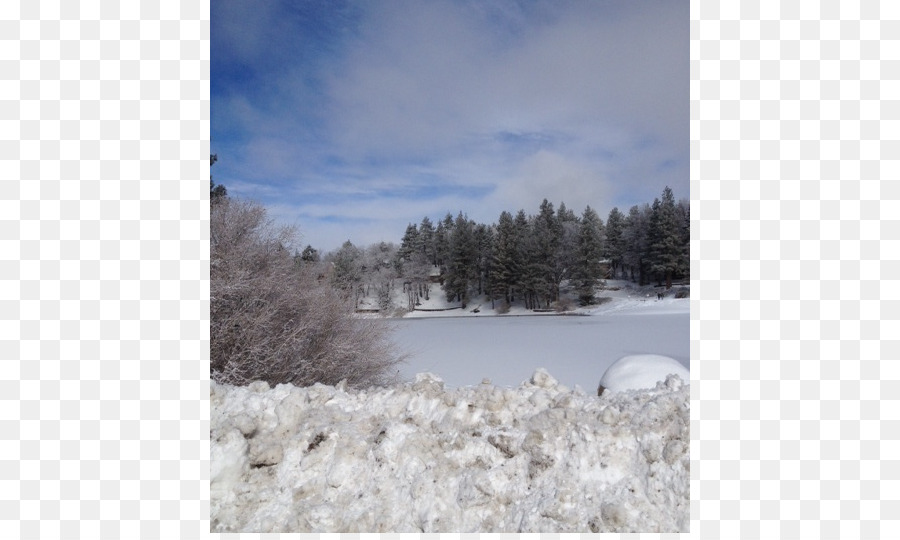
(496, 105)
(426, 78)
(555, 177)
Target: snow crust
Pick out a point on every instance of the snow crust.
(419, 457)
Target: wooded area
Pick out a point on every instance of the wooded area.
(522, 257)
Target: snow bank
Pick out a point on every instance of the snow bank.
(639, 371)
(422, 458)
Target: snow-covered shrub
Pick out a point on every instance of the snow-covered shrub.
(272, 319)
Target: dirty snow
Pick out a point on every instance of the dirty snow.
(420, 457)
(500, 456)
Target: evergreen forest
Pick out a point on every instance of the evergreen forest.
(522, 257)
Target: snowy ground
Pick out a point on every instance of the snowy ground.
(502, 456)
(577, 350)
(423, 458)
(614, 295)
(467, 348)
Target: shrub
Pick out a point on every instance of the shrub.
(271, 319)
(683, 292)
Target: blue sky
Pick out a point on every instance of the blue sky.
(351, 119)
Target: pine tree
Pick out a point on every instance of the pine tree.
(614, 247)
(506, 261)
(684, 216)
(484, 243)
(665, 238)
(531, 256)
(567, 246)
(462, 261)
(635, 236)
(527, 279)
(309, 255)
(442, 242)
(564, 214)
(546, 235)
(217, 193)
(408, 245)
(426, 241)
(653, 233)
(586, 270)
(413, 262)
(426, 254)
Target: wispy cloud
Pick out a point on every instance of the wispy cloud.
(383, 112)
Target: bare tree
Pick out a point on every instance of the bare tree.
(273, 320)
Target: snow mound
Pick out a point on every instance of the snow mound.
(421, 458)
(641, 371)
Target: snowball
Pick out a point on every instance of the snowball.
(641, 371)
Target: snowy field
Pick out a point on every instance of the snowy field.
(507, 349)
(524, 452)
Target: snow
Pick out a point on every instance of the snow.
(420, 457)
(615, 296)
(506, 349)
(639, 371)
(495, 451)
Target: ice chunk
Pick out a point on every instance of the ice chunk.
(543, 379)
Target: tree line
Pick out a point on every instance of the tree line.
(522, 257)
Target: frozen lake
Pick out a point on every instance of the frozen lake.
(507, 350)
